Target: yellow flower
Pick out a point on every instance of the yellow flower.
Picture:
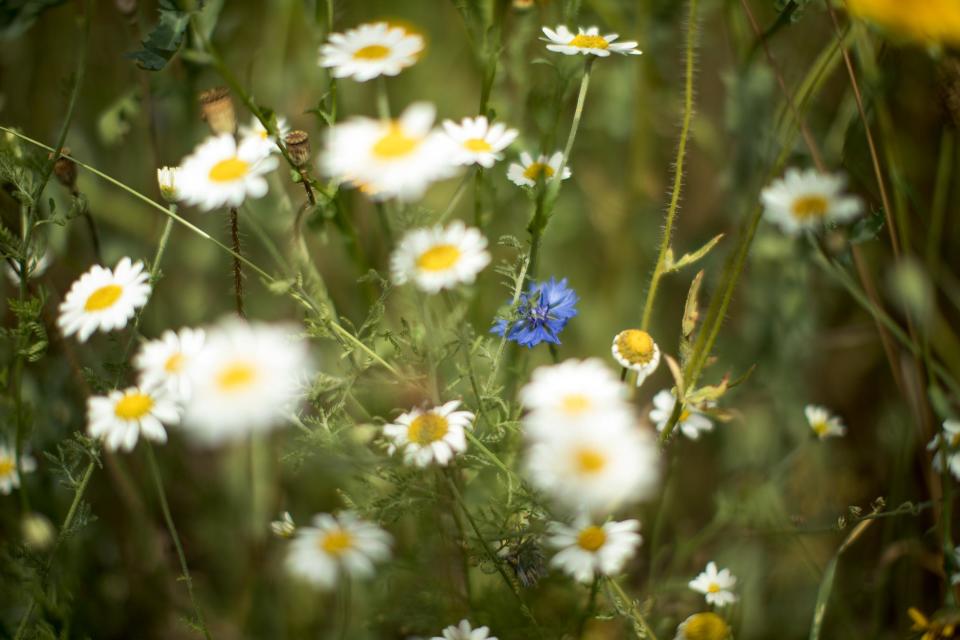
(928, 21)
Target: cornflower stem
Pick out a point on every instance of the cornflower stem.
(237, 264)
(174, 536)
(634, 612)
(678, 172)
(495, 366)
(458, 194)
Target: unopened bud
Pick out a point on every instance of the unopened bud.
(65, 169)
(284, 527)
(167, 181)
(298, 147)
(38, 533)
(218, 111)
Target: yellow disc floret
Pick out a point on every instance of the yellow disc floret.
(438, 257)
(427, 428)
(133, 406)
(584, 41)
(591, 538)
(229, 170)
(103, 298)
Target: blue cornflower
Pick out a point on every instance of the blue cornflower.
(542, 313)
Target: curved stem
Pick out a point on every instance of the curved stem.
(634, 613)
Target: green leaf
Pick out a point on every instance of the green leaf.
(689, 258)
(867, 228)
(164, 40)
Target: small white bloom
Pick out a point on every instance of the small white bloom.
(119, 417)
(389, 158)
(588, 549)
(256, 131)
(167, 181)
(436, 435)
(36, 266)
(245, 379)
(104, 299)
(164, 362)
(370, 50)
(823, 423)
(476, 141)
(951, 429)
(703, 626)
(284, 527)
(221, 173)
(335, 545)
(587, 42)
(440, 258)
(806, 199)
(9, 476)
(717, 586)
(691, 422)
(464, 631)
(636, 350)
(528, 171)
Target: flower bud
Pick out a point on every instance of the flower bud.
(167, 181)
(218, 111)
(38, 533)
(65, 169)
(283, 528)
(298, 147)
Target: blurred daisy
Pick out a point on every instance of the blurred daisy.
(528, 171)
(256, 131)
(691, 422)
(588, 549)
(163, 362)
(440, 258)
(335, 545)
(284, 527)
(823, 423)
(103, 299)
(542, 313)
(596, 469)
(370, 50)
(807, 199)
(587, 42)
(119, 417)
(245, 379)
(703, 626)
(167, 182)
(36, 266)
(930, 21)
(635, 350)
(951, 429)
(476, 141)
(389, 158)
(221, 173)
(9, 476)
(464, 631)
(436, 435)
(717, 586)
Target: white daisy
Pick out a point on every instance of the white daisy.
(951, 429)
(371, 50)
(245, 379)
(823, 423)
(440, 258)
(464, 631)
(596, 469)
(588, 549)
(389, 158)
(476, 141)
(163, 362)
(119, 417)
(703, 626)
(36, 266)
(221, 173)
(717, 586)
(104, 299)
(256, 131)
(587, 42)
(9, 476)
(528, 171)
(436, 435)
(636, 350)
(691, 422)
(807, 199)
(167, 181)
(335, 545)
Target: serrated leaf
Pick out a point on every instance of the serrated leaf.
(164, 40)
(689, 258)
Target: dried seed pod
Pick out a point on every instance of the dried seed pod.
(298, 147)
(218, 110)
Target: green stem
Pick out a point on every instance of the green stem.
(383, 99)
(634, 612)
(457, 195)
(591, 604)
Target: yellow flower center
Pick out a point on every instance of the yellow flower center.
(591, 538)
(807, 207)
(264, 134)
(229, 170)
(589, 42)
(427, 428)
(174, 363)
(684, 415)
(706, 626)
(438, 258)
(713, 588)
(7, 466)
(103, 298)
(590, 461)
(819, 427)
(477, 145)
(371, 52)
(133, 406)
(930, 21)
(955, 440)
(635, 346)
(575, 403)
(395, 144)
(537, 169)
(236, 377)
(336, 542)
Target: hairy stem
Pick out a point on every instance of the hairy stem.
(237, 264)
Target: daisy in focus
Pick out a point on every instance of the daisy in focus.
(389, 158)
(717, 586)
(464, 631)
(587, 42)
(167, 182)
(808, 199)
(440, 258)
(542, 313)
(951, 434)
(635, 350)
(528, 171)
(691, 422)
(120, 417)
(823, 423)
(370, 50)
(9, 476)
(221, 173)
(104, 299)
(435, 435)
(588, 549)
(163, 362)
(256, 131)
(337, 545)
(931, 22)
(476, 141)
(703, 626)
(244, 380)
